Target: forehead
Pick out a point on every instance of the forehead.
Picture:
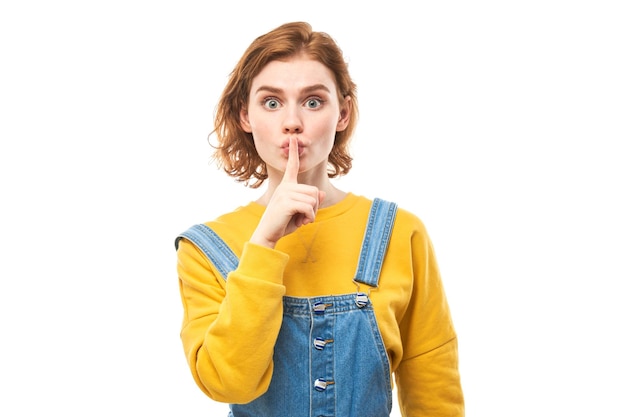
(297, 72)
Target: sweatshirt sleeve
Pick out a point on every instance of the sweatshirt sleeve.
(230, 327)
(428, 378)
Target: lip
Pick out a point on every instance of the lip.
(285, 147)
(285, 143)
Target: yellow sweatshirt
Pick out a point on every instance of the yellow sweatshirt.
(230, 326)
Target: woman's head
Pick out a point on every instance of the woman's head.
(235, 150)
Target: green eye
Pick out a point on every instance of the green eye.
(313, 103)
(271, 103)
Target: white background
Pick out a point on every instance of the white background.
(501, 124)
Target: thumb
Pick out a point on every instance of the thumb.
(320, 197)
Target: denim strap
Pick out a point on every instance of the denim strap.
(215, 249)
(377, 234)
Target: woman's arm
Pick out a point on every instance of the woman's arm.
(230, 327)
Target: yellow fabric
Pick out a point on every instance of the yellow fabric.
(229, 326)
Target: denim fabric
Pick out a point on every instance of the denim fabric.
(329, 359)
(346, 373)
(212, 246)
(377, 234)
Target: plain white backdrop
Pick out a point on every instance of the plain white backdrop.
(501, 124)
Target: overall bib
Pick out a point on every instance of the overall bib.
(329, 358)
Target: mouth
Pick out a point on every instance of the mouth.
(285, 147)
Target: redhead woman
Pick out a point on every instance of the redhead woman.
(311, 300)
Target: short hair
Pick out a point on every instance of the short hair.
(235, 151)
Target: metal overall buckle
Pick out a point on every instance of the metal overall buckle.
(362, 299)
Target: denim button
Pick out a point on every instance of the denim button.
(361, 299)
(319, 343)
(320, 384)
(319, 308)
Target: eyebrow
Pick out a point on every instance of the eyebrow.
(309, 89)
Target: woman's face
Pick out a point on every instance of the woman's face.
(297, 98)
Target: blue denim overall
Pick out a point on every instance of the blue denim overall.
(329, 359)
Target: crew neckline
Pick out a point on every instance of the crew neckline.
(324, 213)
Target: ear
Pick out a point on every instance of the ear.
(244, 121)
(344, 114)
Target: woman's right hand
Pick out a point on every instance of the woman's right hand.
(291, 206)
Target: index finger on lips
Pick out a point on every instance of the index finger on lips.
(293, 162)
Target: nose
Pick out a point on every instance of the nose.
(292, 122)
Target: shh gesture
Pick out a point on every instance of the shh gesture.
(291, 206)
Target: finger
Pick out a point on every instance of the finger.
(320, 198)
(293, 162)
(304, 216)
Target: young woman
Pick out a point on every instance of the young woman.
(307, 301)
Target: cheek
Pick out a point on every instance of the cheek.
(327, 128)
(259, 124)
